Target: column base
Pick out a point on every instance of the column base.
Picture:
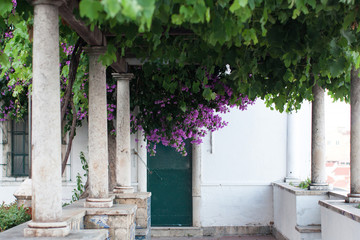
(353, 198)
(320, 186)
(51, 229)
(123, 190)
(98, 203)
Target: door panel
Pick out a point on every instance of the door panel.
(169, 181)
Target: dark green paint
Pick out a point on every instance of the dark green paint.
(169, 181)
(20, 148)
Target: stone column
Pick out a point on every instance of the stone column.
(46, 132)
(196, 183)
(123, 154)
(98, 140)
(354, 195)
(318, 171)
(142, 162)
(292, 147)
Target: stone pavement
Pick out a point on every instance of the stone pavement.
(269, 237)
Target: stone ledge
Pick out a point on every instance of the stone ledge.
(218, 231)
(176, 232)
(117, 209)
(349, 210)
(338, 193)
(299, 191)
(18, 233)
(308, 229)
(137, 195)
(78, 208)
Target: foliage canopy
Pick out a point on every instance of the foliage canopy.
(277, 50)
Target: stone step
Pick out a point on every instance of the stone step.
(176, 232)
(143, 234)
(17, 233)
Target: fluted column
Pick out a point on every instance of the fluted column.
(354, 195)
(123, 154)
(318, 170)
(46, 132)
(98, 141)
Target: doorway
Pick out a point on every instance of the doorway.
(170, 182)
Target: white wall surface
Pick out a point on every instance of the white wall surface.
(296, 208)
(285, 213)
(335, 226)
(239, 166)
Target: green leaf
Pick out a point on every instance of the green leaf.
(110, 56)
(208, 94)
(176, 19)
(5, 7)
(183, 106)
(131, 9)
(196, 87)
(90, 9)
(207, 15)
(237, 4)
(112, 7)
(4, 60)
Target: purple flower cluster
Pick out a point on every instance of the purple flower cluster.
(111, 88)
(193, 123)
(14, 2)
(110, 109)
(12, 106)
(67, 49)
(9, 34)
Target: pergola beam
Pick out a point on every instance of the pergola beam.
(93, 38)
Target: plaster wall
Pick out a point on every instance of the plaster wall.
(285, 213)
(239, 162)
(335, 226)
(296, 207)
(308, 209)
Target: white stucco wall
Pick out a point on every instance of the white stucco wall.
(239, 166)
(335, 226)
(285, 213)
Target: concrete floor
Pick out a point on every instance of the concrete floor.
(217, 238)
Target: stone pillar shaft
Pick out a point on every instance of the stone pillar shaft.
(98, 141)
(318, 171)
(196, 183)
(354, 195)
(142, 162)
(123, 154)
(46, 132)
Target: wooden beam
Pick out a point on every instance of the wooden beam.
(93, 38)
(120, 66)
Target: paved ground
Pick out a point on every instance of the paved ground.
(217, 238)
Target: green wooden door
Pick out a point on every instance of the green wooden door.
(169, 181)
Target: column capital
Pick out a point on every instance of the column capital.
(122, 76)
(95, 50)
(57, 3)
